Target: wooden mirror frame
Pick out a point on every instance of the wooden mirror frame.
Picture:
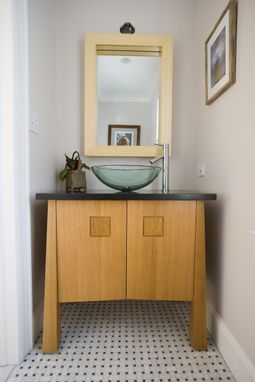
(162, 43)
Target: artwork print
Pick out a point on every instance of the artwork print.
(124, 135)
(218, 58)
(220, 54)
(123, 138)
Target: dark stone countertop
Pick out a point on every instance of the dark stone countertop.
(135, 195)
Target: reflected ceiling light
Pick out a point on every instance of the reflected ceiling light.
(125, 60)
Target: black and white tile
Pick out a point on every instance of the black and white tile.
(125, 341)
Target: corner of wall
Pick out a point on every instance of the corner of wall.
(237, 360)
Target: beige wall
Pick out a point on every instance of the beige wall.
(224, 142)
(148, 16)
(221, 136)
(56, 30)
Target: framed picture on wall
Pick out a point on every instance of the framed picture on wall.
(220, 54)
(124, 135)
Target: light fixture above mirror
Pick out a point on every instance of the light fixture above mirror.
(128, 83)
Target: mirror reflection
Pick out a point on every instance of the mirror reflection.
(128, 89)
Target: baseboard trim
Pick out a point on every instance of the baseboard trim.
(5, 372)
(240, 365)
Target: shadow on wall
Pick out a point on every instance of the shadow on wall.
(82, 100)
(38, 243)
(214, 245)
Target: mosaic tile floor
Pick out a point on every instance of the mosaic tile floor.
(124, 341)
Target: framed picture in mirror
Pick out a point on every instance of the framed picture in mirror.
(124, 135)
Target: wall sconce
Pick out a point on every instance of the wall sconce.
(127, 28)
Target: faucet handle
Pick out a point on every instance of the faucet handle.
(161, 144)
(165, 146)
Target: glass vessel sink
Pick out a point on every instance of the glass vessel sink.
(126, 177)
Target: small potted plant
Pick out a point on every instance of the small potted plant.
(74, 173)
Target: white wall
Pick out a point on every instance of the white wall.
(224, 142)
(126, 113)
(43, 147)
(56, 30)
(15, 254)
(75, 17)
(221, 135)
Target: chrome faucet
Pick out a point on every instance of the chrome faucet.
(165, 166)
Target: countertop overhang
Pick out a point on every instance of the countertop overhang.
(138, 195)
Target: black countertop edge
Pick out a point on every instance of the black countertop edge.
(142, 195)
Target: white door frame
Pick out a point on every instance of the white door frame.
(15, 238)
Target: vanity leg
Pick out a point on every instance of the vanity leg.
(51, 320)
(198, 321)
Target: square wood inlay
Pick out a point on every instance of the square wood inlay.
(153, 226)
(100, 226)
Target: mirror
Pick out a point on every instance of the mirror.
(128, 86)
(127, 95)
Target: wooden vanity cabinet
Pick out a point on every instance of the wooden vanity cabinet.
(124, 249)
(160, 250)
(91, 242)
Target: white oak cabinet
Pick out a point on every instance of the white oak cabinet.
(101, 250)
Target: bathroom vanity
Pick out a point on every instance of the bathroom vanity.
(116, 246)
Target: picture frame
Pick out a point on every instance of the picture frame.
(124, 135)
(220, 54)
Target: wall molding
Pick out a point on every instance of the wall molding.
(5, 372)
(15, 246)
(240, 365)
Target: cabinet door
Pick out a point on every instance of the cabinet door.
(91, 241)
(160, 247)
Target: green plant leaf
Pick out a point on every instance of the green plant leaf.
(63, 173)
(85, 166)
(70, 163)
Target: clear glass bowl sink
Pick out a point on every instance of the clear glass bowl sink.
(126, 177)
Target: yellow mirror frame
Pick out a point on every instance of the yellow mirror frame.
(164, 44)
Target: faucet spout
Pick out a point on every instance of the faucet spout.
(165, 166)
(154, 160)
